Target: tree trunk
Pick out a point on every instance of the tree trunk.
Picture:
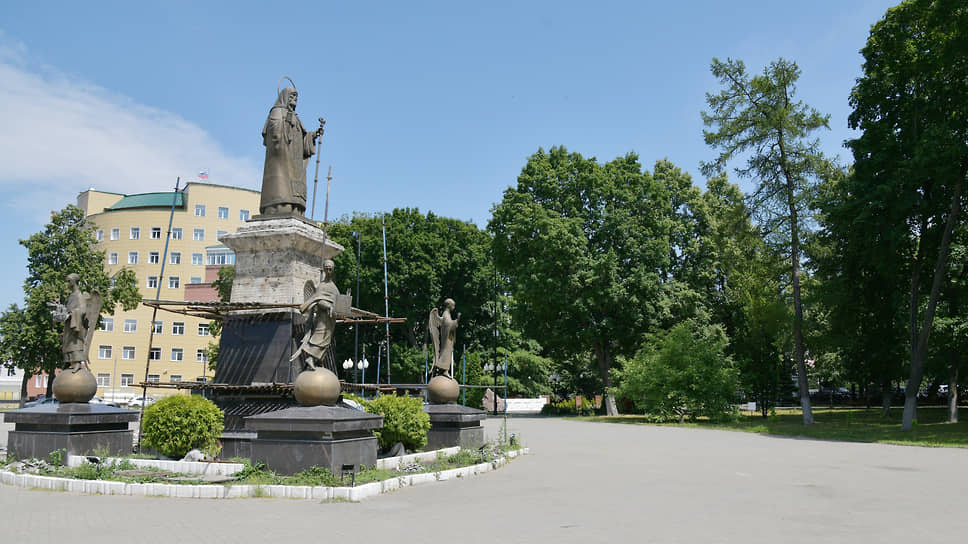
(799, 352)
(887, 395)
(953, 388)
(23, 388)
(920, 350)
(604, 358)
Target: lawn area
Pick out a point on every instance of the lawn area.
(850, 424)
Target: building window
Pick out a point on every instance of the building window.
(103, 379)
(132, 257)
(104, 352)
(178, 328)
(177, 354)
(221, 256)
(112, 258)
(199, 210)
(198, 234)
(130, 325)
(154, 378)
(153, 257)
(156, 233)
(176, 233)
(127, 379)
(220, 233)
(115, 233)
(203, 329)
(223, 212)
(173, 282)
(158, 325)
(195, 279)
(174, 258)
(127, 352)
(100, 235)
(201, 355)
(154, 354)
(40, 381)
(198, 258)
(175, 378)
(135, 233)
(243, 215)
(152, 282)
(107, 324)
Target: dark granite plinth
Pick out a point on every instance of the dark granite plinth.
(454, 425)
(77, 428)
(294, 439)
(255, 348)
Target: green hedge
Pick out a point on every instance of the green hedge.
(178, 424)
(404, 420)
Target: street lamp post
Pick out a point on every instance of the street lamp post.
(356, 326)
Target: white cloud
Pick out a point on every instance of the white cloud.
(62, 136)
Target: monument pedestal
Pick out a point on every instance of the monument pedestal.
(454, 425)
(277, 261)
(77, 428)
(292, 440)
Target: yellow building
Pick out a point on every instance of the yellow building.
(132, 230)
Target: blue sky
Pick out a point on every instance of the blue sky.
(434, 105)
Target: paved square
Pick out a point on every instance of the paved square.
(582, 482)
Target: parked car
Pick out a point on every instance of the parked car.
(99, 400)
(140, 401)
(41, 402)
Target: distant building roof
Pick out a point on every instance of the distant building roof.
(149, 200)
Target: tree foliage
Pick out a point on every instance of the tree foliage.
(759, 116)
(66, 245)
(429, 258)
(911, 159)
(581, 244)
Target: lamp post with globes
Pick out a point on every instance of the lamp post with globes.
(356, 326)
(497, 368)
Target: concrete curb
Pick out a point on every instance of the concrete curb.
(214, 491)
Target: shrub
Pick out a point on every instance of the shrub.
(685, 372)
(177, 424)
(404, 420)
(567, 407)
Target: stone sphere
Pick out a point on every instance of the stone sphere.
(442, 390)
(316, 387)
(70, 386)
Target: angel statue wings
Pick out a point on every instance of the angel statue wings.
(79, 316)
(443, 331)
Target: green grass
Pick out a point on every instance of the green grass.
(849, 424)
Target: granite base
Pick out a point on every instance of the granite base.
(77, 428)
(454, 425)
(295, 439)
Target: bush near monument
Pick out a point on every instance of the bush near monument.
(178, 424)
(404, 420)
(684, 372)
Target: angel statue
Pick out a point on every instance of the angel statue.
(320, 311)
(443, 331)
(79, 316)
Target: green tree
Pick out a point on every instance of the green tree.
(65, 245)
(862, 284)
(683, 371)
(223, 286)
(429, 258)
(911, 159)
(581, 244)
(759, 116)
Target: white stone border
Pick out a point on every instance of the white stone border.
(215, 491)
